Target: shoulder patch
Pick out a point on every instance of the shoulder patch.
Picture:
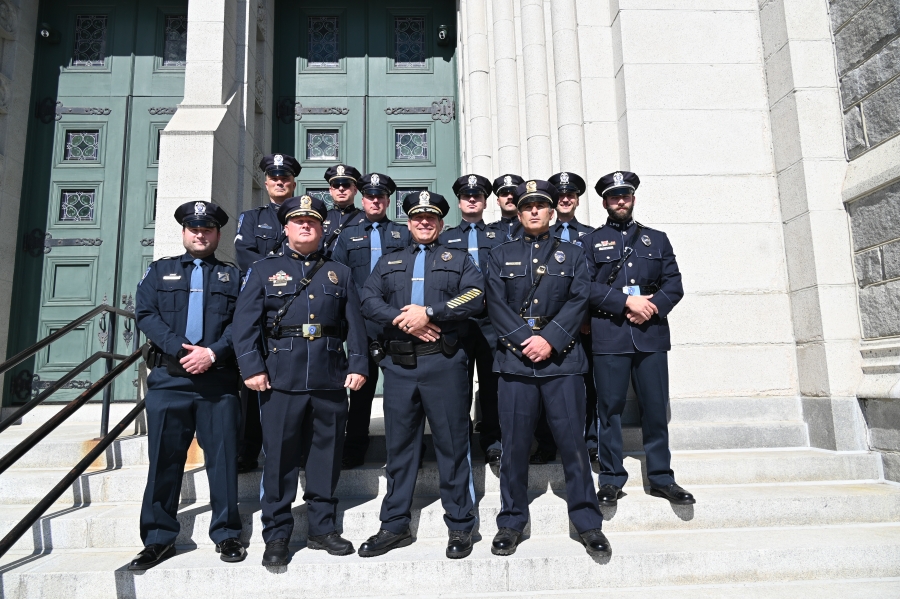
(240, 221)
(246, 276)
(146, 272)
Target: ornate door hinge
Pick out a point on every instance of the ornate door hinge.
(25, 385)
(288, 110)
(47, 110)
(443, 110)
(38, 242)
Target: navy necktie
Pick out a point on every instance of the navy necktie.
(375, 245)
(194, 329)
(418, 278)
(473, 242)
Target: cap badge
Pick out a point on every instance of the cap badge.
(332, 277)
(473, 180)
(530, 187)
(280, 279)
(446, 256)
(278, 160)
(306, 202)
(507, 181)
(424, 198)
(199, 208)
(618, 179)
(223, 277)
(645, 239)
(560, 256)
(340, 170)
(564, 178)
(376, 180)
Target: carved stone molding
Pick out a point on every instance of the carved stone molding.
(4, 94)
(259, 91)
(9, 20)
(261, 19)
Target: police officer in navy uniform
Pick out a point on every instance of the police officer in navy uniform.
(294, 313)
(184, 305)
(537, 295)
(570, 187)
(342, 185)
(635, 283)
(423, 296)
(474, 236)
(359, 246)
(505, 188)
(258, 234)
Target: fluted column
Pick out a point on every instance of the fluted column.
(506, 84)
(478, 70)
(537, 107)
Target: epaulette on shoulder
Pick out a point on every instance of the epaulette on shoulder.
(169, 258)
(513, 240)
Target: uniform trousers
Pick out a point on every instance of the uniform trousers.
(177, 407)
(482, 342)
(357, 441)
(434, 389)
(251, 429)
(649, 373)
(562, 397)
(285, 416)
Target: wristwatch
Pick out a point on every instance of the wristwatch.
(429, 312)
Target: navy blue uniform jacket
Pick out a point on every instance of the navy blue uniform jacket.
(296, 363)
(454, 288)
(651, 263)
(161, 307)
(510, 227)
(577, 230)
(489, 237)
(561, 297)
(258, 234)
(335, 221)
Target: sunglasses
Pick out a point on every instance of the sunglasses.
(339, 184)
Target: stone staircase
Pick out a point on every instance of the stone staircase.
(774, 518)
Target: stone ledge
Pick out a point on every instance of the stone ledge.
(881, 369)
(875, 169)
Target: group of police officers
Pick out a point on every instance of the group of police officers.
(556, 319)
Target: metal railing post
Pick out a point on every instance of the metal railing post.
(108, 390)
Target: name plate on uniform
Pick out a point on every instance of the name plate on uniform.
(171, 277)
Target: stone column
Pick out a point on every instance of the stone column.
(506, 83)
(537, 107)
(479, 83)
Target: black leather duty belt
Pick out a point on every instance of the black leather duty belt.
(640, 289)
(409, 348)
(536, 323)
(309, 331)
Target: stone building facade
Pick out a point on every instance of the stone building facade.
(764, 131)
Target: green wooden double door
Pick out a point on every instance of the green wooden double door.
(369, 84)
(107, 79)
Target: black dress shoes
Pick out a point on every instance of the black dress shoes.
(277, 553)
(505, 541)
(383, 542)
(349, 462)
(231, 550)
(609, 495)
(542, 456)
(596, 542)
(459, 545)
(492, 457)
(150, 556)
(245, 465)
(674, 494)
(332, 542)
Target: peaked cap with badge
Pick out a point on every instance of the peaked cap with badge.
(201, 214)
(619, 183)
(377, 184)
(507, 182)
(279, 165)
(472, 185)
(302, 206)
(566, 182)
(342, 173)
(536, 191)
(425, 201)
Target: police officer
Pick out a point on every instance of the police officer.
(537, 294)
(342, 184)
(184, 305)
(567, 228)
(423, 296)
(359, 246)
(258, 234)
(635, 283)
(504, 188)
(294, 313)
(477, 238)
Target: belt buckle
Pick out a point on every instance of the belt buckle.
(632, 290)
(533, 324)
(312, 331)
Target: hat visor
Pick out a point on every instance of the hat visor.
(376, 190)
(618, 190)
(195, 222)
(534, 196)
(347, 181)
(569, 188)
(427, 209)
(303, 212)
(472, 191)
(279, 171)
(506, 189)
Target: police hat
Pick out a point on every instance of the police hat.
(566, 182)
(472, 185)
(536, 191)
(507, 182)
(342, 173)
(619, 183)
(201, 214)
(302, 206)
(377, 184)
(425, 201)
(279, 165)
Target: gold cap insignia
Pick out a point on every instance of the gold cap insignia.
(530, 187)
(306, 202)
